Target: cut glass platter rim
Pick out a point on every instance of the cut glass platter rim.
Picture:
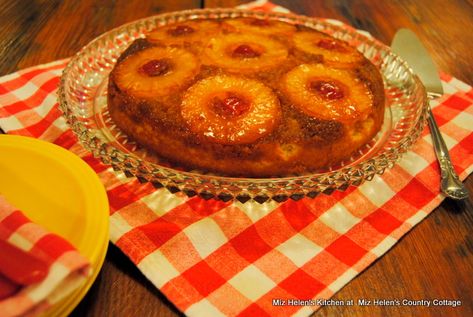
(82, 98)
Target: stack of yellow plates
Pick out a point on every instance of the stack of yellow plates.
(59, 191)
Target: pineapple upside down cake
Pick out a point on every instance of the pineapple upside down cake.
(246, 97)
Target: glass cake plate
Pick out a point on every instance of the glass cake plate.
(83, 100)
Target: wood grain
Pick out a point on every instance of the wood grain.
(34, 32)
(122, 290)
(435, 260)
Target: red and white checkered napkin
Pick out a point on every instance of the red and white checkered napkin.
(212, 258)
(67, 269)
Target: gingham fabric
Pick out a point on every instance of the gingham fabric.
(67, 271)
(212, 258)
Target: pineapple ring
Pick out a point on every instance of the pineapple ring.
(262, 26)
(328, 93)
(131, 79)
(189, 31)
(334, 51)
(258, 119)
(219, 52)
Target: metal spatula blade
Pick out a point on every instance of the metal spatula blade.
(406, 44)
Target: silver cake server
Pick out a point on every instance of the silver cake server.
(406, 44)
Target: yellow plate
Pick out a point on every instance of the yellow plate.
(59, 191)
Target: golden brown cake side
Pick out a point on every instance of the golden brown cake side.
(210, 114)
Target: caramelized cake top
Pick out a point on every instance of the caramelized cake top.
(233, 86)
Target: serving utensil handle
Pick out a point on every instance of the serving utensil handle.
(450, 182)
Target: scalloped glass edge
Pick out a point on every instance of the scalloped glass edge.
(244, 189)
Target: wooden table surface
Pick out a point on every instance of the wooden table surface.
(434, 261)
